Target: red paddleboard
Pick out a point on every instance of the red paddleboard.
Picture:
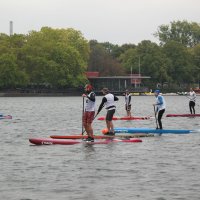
(6, 117)
(50, 141)
(183, 115)
(125, 118)
(101, 136)
(78, 137)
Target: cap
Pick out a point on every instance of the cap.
(88, 87)
(106, 90)
(157, 91)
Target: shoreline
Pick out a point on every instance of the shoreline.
(38, 94)
(71, 94)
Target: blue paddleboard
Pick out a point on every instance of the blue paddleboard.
(150, 130)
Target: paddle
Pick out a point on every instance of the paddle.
(83, 114)
(155, 116)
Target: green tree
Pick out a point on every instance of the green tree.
(102, 61)
(129, 60)
(188, 34)
(4, 44)
(147, 58)
(181, 67)
(56, 57)
(195, 52)
(10, 75)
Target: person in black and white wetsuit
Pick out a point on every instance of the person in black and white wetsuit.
(128, 103)
(192, 97)
(109, 101)
(89, 112)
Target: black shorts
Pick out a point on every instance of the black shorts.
(128, 107)
(110, 114)
(191, 103)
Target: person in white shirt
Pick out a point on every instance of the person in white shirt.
(89, 111)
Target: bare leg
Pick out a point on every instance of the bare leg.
(89, 129)
(129, 113)
(110, 126)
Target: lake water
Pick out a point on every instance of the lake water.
(160, 168)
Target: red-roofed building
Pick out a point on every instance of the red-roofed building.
(92, 74)
(116, 83)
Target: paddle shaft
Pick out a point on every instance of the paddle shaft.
(155, 116)
(83, 131)
(83, 114)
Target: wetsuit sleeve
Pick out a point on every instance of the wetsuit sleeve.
(193, 97)
(92, 97)
(102, 104)
(116, 98)
(160, 100)
(129, 100)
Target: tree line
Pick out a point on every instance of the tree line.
(59, 58)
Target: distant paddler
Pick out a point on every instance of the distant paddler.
(89, 111)
(127, 103)
(192, 100)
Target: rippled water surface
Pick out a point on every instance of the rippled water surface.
(162, 167)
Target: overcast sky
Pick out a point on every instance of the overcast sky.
(115, 21)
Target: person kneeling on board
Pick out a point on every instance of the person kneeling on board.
(160, 107)
(89, 112)
(109, 101)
